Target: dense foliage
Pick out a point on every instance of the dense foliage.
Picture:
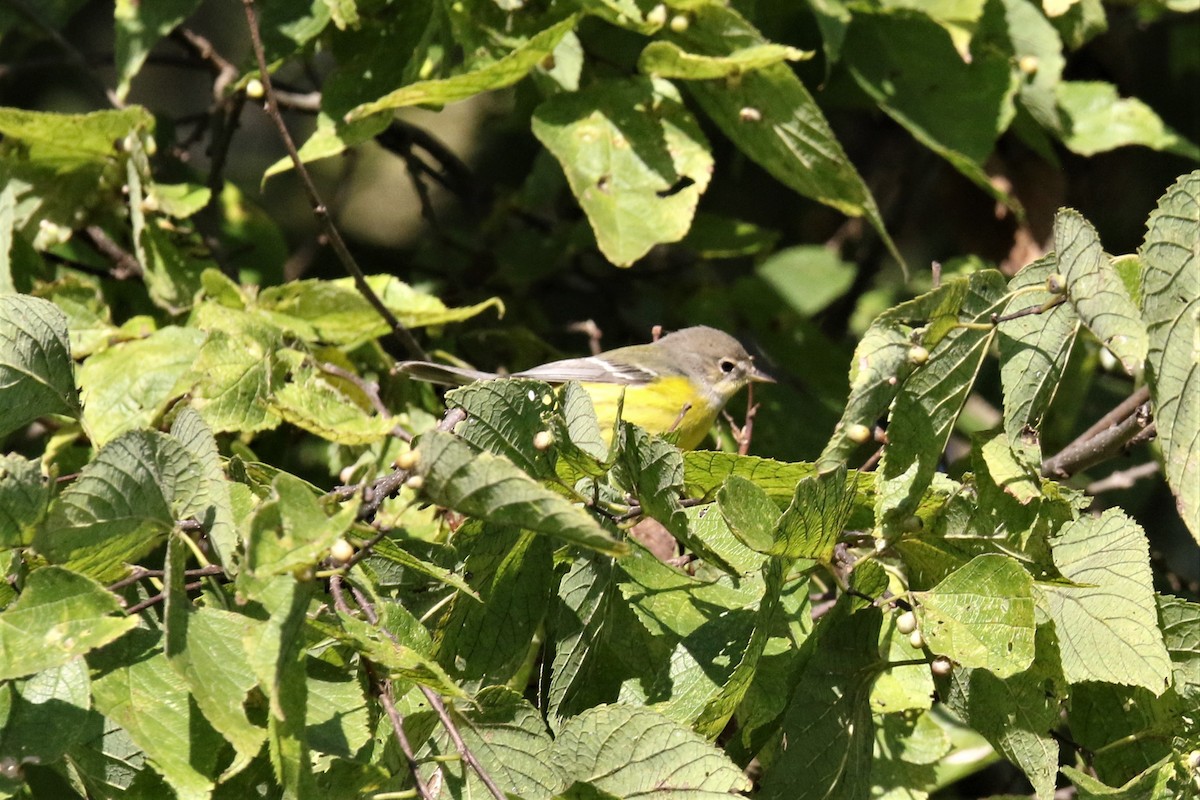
(245, 557)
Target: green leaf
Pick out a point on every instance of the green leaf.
(504, 417)
(311, 402)
(217, 519)
(595, 637)
(807, 277)
(930, 400)
(399, 644)
(47, 714)
(123, 504)
(981, 616)
(67, 141)
(955, 109)
(1181, 634)
(1107, 624)
(276, 653)
(771, 117)
(723, 703)
(749, 512)
(513, 572)
(235, 373)
(292, 530)
(635, 752)
(1096, 119)
(1154, 783)
(337, 714)
(131, 384)
(496, 75)
(1017, 713)
(490, 488)
(666, 60)
(1008, 465)
(335, 312)
(581, 440)
(179, 200)
(213, 664)
(819, 511)
(1170, 292)
(635, 158)
(510, 740)
(827, 730)
(1033, 352)
(35, 362)
(135, 687)
(139, 26)
(59, 615)
(24, 497)
(1036, 44)
(1096, 291)
(705, 471)
(391, 550)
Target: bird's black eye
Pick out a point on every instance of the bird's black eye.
(727, 365)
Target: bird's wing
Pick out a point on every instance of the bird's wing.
(592, 369)
(440, 373)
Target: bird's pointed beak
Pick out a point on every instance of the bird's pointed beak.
(758, 376)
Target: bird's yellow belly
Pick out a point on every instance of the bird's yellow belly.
(669, 404)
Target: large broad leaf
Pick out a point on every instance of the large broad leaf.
(705, 471)
(36, 373)
(514, 575)
(666, 60)
(510, 740)
(47, 715)
(497, 75)
(135, 686)
(981, 615)
(635, 158)
(59, 615)
(929, 402)
(292, 530)
(635, 752)
(505, 417)
(1170, 292)
(217, 520)
(1017, 714)
(24, 496)
(954, 108)
(72, 140)
(335, 312)
(1107, 624)
(598, 642)
(123, 504)
(772, 118)
(819, 511)
(131, 384)
(1033, 352)
(1096, 119)
(1095, 289)
(827, 729)
(491, 489)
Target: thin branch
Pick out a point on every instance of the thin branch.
(140, 573)
(386, 699)
(1122, 479)
(401, 333)
(1052, 303)
(1125, 425)
(368, 388)
(125, 266)
(464, 751)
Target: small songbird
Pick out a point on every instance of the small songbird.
(678, 383)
